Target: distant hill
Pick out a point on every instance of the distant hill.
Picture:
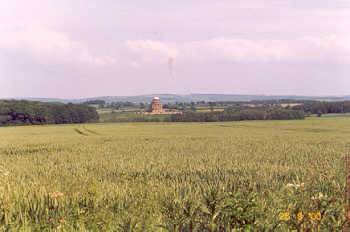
(171, 98)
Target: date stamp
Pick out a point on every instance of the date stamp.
(313, 216)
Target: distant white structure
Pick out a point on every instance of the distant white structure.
(157, 108)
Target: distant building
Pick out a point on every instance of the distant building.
(156, 106)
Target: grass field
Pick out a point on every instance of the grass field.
(232, 176)
(209, 110)
(290, 104)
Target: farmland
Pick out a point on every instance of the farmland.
(223, 176)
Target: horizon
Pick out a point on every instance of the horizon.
(85, 49)
(174, 94)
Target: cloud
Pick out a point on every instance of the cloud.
(329, 47)
(46, 46)
(222, 49)
(234, 50)
(151, 51)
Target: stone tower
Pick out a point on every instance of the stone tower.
(156, 105)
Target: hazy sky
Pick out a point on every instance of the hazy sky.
(86, 48)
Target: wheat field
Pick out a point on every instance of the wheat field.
(232, 176)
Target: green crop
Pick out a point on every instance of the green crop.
(232, 176)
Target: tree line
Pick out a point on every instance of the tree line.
(227, 115)
(13, 112)
(324, 107)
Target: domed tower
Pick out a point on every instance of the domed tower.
(156, 105)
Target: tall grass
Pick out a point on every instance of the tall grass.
(234, 176)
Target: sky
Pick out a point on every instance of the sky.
(89, 48)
